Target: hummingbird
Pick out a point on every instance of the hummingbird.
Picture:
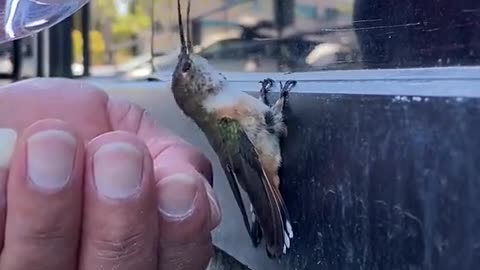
(245, 133)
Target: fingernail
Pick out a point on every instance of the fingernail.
(8, 138)
(215, 211)
(118, 170)
(177, 194)
(50, 157)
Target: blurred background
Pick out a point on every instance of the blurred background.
(111, 38)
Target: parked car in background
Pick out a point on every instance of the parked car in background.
(236, 54)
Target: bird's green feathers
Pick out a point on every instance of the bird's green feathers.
(230, 132)
(243, 167)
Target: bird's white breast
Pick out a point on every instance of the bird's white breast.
(228, 98)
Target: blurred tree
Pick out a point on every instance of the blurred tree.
(117, 28)
(97, 46)
(122, 24)
(77, 45)
(133, 23)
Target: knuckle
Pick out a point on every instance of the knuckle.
(119, 247)
(198, 159)
(195, 255)
(42, 233)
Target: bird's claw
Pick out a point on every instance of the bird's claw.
(285, 88)
(267, 85)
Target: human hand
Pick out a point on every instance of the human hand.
(94, 183)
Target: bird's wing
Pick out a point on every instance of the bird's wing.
(242, 163)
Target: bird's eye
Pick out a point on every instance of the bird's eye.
(186, 66)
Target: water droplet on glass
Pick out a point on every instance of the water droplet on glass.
(21, 18)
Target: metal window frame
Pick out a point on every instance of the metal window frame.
(317, 96)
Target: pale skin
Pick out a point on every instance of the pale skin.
(96, 219)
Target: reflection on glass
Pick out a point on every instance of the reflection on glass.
(411, 33)
(266, 35)
(21, 18)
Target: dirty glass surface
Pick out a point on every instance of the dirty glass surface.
(21, 18)
(282, 36)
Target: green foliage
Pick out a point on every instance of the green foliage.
(116, 29)
(123, 27)
(97, 46)
(77, 45)
(104, 8)
(126, 26)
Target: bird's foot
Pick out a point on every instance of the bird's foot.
(285, 91)
(267, 85)
(282, 102)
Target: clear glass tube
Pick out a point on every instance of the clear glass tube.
(20, 18)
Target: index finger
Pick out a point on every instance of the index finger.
(183, 177)
(160, 141)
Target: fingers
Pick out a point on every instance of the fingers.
(44, 199)
(182, 159)
(129, 117)
(77, 102)
(187, 204)
(8, 138)
(120, 229)
(188, 212)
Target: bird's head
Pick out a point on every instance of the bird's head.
(193, 74)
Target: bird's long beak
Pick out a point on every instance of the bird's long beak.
(189, 36)
(180, 29)
(186, 44)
